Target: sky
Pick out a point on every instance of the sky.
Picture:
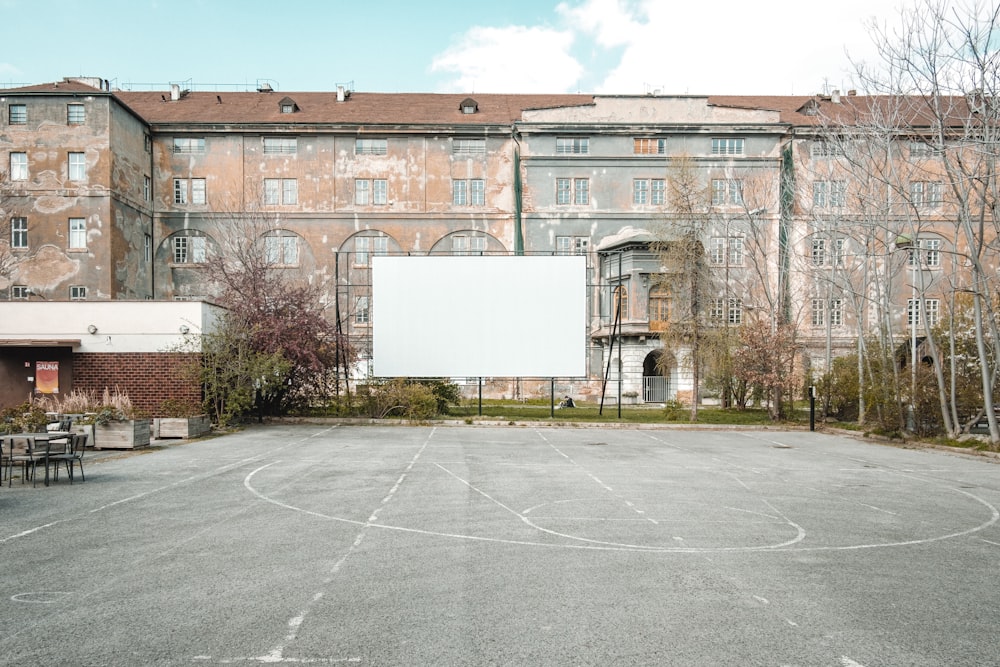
(622, 47)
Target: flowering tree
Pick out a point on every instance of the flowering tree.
(765, 360)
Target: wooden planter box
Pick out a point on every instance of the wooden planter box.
(128, 434)
(182, 427)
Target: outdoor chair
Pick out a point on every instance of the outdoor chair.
(72, 454)
(27, 453)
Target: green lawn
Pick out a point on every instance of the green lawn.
(591, 413)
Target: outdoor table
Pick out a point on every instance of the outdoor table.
(47, 437)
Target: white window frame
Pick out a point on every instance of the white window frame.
(371, 146)
(362, 192)
(572, 145)
(466, 244)
(76, 166)
(17, 114)
(281, 249)
(727, 191)
(649, 146)
(468, 146)
(18, 166)
(362, 311)
(280, 145)
(147, 188)
(19, 233)
(928, 251)
(728, 145)
(188, 249)
(818, 312)
(19, 292)
(281, 191)
(640, 191)
(77, 292)
(914, 307)
(76, 114)
(572, 245)
(77, 234)
(188, 145)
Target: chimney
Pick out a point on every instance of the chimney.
(835, 97)
(175, 92)
(341, 93)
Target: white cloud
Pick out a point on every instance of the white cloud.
(514, 59)
(679, 47)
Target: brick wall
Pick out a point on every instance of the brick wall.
(149, 378)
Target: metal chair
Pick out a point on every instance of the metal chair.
(73, 454)
(29, 455)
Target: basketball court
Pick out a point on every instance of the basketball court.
(464, 545)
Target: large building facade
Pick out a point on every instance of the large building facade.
(121, 195)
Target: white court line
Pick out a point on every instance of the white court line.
(276, 654)
(628, 503)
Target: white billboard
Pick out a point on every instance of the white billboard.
(479, 316)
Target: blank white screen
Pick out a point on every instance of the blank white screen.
(474, 316)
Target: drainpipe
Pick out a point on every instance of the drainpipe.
(518, 189)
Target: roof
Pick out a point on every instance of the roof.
(324, 108)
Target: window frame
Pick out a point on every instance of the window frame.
(371, 146)
(280, 145)
(77, 292)
(728, 145)
(17, 114)
(76, 114)
(77, 236)
(19, 233)
(76, 166)
(281, 192)
(188, 249)
(467, 146)
(281, 249)
(572, 145)
(19, 170)
(649, 146)
(19, 292)
(188, 145)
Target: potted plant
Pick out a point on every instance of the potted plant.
(631, 397)
(116, 425)
(181, 419)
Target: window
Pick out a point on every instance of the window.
(920, 149)
(18, 166)
(147, 247)
(281, 249)
(189, 249)
(284, 191)
(824, 312)
(18, 114)
(658, 187)
(462, 244)
(659, 305)
(147, 143)
(77, 233)
(361, 311)
(735, 311)
(572, 190)
(727, 146)
(836, 312)
(75, 114)
(572, 145)
(364, 246)
(189, 191)
(471, 192)
(929, 254)
(78, 292)
(468, 146)
(649, 146)
(147, 188)
(370, 147)
(829, 194)
(721, 249)
(727, 191)
(620, 302)
(371, 192)
(572, 245)
(19, 292)
(925, 194)
(818, 312)
(280, 145)
(913, 308)
(77, 167)
(19, 233)
(726, 311)
(189, 145)
(819, 252)
(826, 149)
(640, 191)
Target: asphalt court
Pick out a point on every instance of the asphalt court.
(467, 545)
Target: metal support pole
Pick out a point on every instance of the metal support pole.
(552, 397)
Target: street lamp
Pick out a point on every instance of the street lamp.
(904, 242)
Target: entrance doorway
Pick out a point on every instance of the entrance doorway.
(656, 370)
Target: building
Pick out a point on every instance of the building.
(120, 194)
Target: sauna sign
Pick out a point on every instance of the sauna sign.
(46, 377)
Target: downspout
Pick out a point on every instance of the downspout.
(518, 188)
(787, 199)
